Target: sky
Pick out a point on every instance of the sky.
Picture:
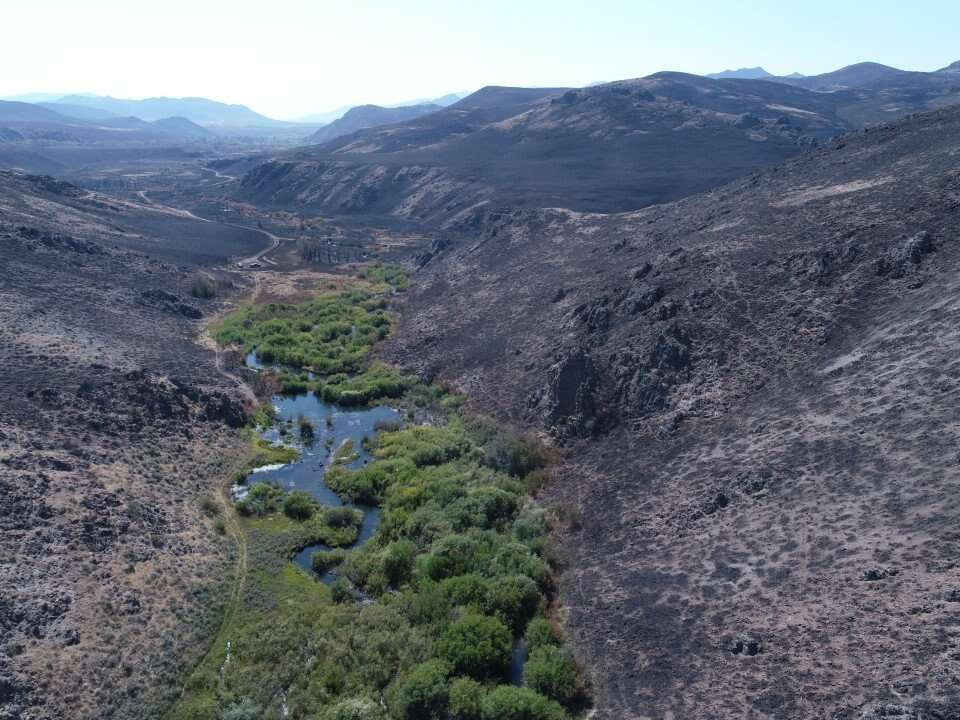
(290, 58)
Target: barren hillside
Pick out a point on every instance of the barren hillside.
(113, 423)
(756, 388)
(608, 148)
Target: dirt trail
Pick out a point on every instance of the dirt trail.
(206, 340)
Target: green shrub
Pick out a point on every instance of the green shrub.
(477, 646)
(262, 499)
(340, 592)
(220, 526)
(341, 516)
(453, 555)
(551, 672)
(307, 431)
(540, 633)
(423, 694)
(323, 560)
(466, 591)
(513, 599)
(466, 697)
(204, 288)
(530, 526)
(393, 275)
(294, 385)
(355, 709)
(298, 505)
(209, 506)
(246, 709)
(517, 559)
(506, 702)
(515, 455)
(398, 562)
(201, 680)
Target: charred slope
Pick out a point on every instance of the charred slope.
(758, 387)
(613, 147)
(609, 148)
(370, 116)
(870, 92)
(55, 206)
(113, 423)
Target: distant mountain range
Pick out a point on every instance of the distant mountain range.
(754, 73)
(861, 75)
(66, 123)
(199, 110)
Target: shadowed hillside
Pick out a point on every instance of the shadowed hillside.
(607, 148)
(612, 147)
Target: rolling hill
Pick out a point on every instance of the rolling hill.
(867, 75)
(98, 325)
(369, 116)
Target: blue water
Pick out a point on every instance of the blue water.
(253, 362)
(333, 426)
(518, 658)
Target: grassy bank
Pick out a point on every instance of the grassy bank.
(425, 621)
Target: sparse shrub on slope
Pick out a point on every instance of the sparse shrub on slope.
(204, 288)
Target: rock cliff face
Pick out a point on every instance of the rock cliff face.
(756, 387)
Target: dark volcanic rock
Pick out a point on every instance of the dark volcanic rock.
(571, 409)
(168, 302)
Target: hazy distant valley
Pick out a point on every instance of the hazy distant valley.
(634, 400)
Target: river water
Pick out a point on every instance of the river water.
(334, 426)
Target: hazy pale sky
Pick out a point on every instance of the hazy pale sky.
(287, 58)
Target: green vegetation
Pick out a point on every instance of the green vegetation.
(477, 646)
(209, 506)
(329, 335)
(551, 672)
(298, 505)
(392, 275)
(422, 620)
(263, 453)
